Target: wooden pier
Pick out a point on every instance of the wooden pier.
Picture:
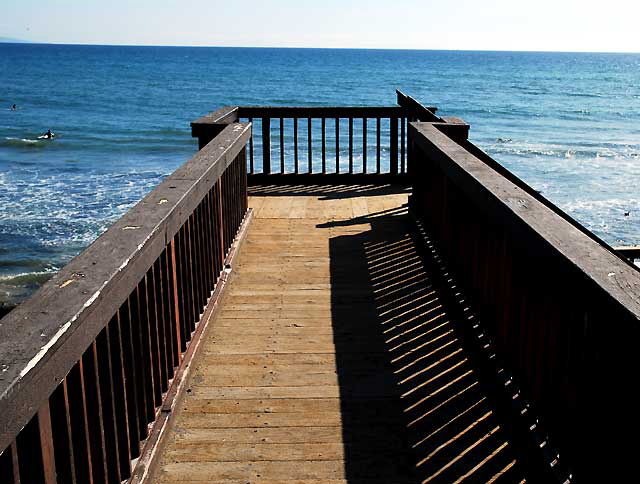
(285, 308)
(334, 357)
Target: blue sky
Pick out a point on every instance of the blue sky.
(552, 25)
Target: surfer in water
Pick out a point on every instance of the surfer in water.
(14, 108)
(47, 135)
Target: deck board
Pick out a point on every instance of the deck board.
(332, 359)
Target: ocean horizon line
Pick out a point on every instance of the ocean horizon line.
(288, 47)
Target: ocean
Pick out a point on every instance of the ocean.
(567, 123)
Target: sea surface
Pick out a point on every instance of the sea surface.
(567, 123)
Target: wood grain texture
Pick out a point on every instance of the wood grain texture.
(331, 359)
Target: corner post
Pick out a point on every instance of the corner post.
(211, 125)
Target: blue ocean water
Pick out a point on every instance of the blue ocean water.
(568, 124)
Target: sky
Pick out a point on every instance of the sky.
(538, 25)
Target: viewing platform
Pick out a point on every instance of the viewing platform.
(329, 295)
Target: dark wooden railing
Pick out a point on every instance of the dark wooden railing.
(563, 307)
(322, 140)
(87, 364)
(630, 252)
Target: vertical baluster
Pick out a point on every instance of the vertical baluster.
(29, 453)
(202, 261)
(207, 240)
(224, 211)
(266, 145)
(179, 288)
(309, 147)
(146, 361)
(169, 311)
(393, 144)
(46, 444)
(351, 145)
(61, 429)
(7, 466)
(187, 273)
(324, 145)
(235, 205)
(243, 178)
(163, 348)
(194, 273)
(281, 145)
(213, 235)
(79, 424)
(141, 370)
(215, 240)
(230, 203)
(377, 145)
(15, 462)
(109, 417)
(337, 145)
(223, 252)
(364, 145)
(94, 415)
(172, 272)
(125, 413)
(182, 303)
(152, 315)
(295, 144)
(403, 141)
(201, 264)
(251, 168)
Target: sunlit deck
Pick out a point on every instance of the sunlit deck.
(334, 358)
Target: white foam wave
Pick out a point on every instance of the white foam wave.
(26, 277)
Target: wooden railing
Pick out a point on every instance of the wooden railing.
(87, 364)
(562, 306)
(93, 361)
(322, 140)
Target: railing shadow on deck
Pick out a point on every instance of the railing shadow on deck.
(413, 407)
(325, 192)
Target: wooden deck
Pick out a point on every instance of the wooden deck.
(334, 358)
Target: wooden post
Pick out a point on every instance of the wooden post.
(324, 145)
(337, 145)
(393, 139)
(281, 145)
(15, 463)
(364, 145)
(309, 147)
(266, 145)
(208, 127)
(176, 300)
(295, 145)
(46, 443)
(350, 145)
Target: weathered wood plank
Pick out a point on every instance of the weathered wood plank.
(254, 470)
(250, 436)
(298, 366)
(259, 452)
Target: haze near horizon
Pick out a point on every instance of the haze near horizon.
(571, 25)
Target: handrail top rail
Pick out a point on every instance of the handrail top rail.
(42, 338)
(493, 192)
(421, 112)
(230, 114)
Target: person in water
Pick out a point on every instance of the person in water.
(14, 107)
(48, 134)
